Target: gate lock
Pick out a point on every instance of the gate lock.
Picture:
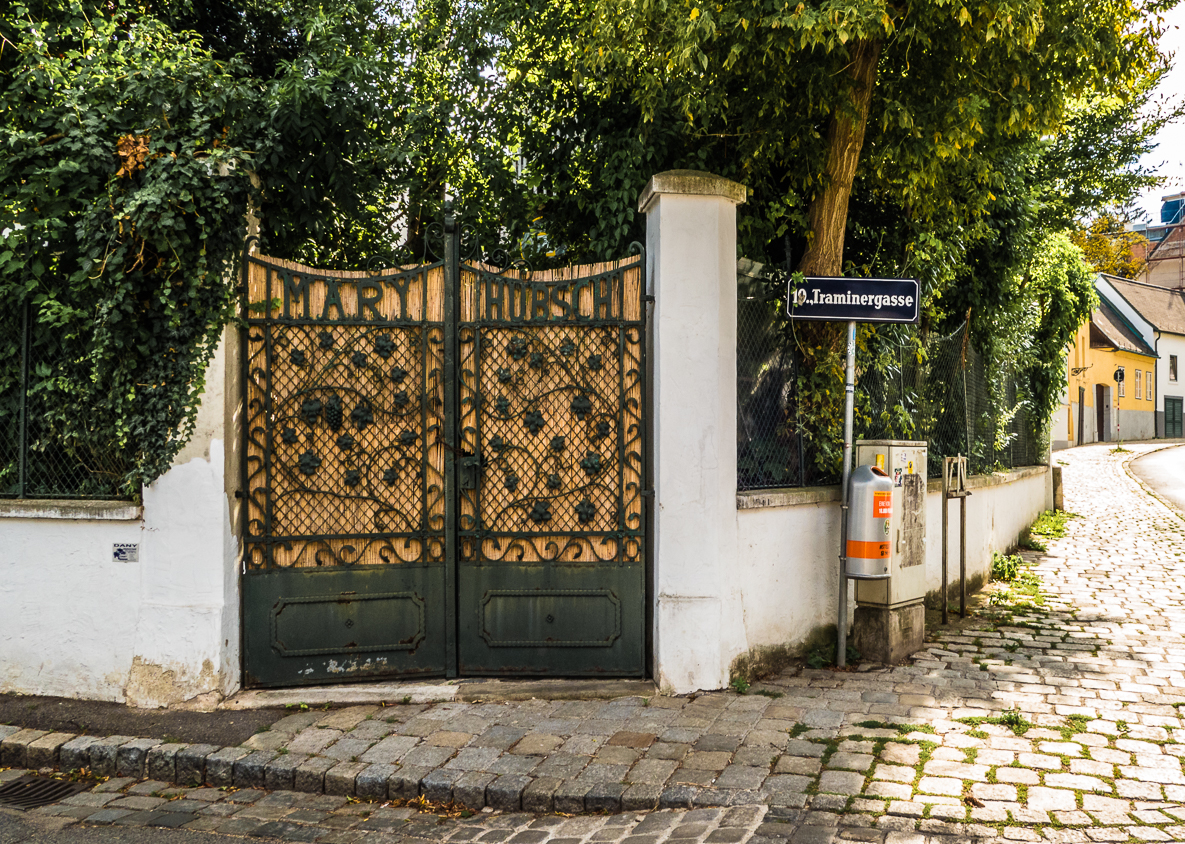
(469, 470)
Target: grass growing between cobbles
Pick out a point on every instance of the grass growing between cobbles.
(1049, 525)
(873, 807)
(1013, 719)
(1052, 524)
(903, 729)
(1023, 589)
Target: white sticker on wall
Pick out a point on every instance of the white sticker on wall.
(125, 552)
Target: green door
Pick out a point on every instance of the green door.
(1172, 417)
(443, 472)
(344, 568)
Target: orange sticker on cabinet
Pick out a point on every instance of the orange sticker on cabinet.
(868, 550)
(882, 505)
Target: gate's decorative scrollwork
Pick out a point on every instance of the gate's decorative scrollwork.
(343, 412)
(443, 467)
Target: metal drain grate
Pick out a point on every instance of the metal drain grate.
(29, 792)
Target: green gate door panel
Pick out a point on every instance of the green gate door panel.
(566, 621)
(1172, 417)
(337, 625)
(551, 533)
(344, 541)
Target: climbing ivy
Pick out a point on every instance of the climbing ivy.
(120, 184)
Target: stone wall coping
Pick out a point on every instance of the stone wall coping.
(691, 183)
(759, 499)
(77, 509)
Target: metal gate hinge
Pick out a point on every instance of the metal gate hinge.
(647, 297)
(238, 493)
(648, 493)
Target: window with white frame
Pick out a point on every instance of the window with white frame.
(1148, 385)
(1172, 367)
(1121, 381)
(1139, 385)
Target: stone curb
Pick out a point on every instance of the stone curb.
(243, 767)
(334, 819)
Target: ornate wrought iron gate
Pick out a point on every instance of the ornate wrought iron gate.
(444, 470)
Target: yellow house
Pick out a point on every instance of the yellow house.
(1099, 407)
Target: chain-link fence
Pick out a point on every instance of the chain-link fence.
(909, 387)
(36, 460)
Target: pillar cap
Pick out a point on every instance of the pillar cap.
(690, 183)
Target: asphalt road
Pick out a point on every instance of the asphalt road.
(22, 828)
(1164, 471)
(100, 718)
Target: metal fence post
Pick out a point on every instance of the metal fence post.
(452, 305)
(841, 643)
(23, 432)
(966, 361)
(962, 552)
(945, 501)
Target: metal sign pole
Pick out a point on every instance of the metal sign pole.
(946, 466)
(851, 300)
(849, 412)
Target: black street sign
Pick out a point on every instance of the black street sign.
(854, 299)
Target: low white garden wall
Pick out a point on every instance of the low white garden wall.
(786, 574)
(162, 630)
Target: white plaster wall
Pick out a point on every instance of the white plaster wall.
(787, 572)
(996, 516)
(1169, 344)
(787, 559)
(68, 614)
(156, 632)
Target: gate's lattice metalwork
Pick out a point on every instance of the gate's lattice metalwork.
(443, 469)
(554, 414)
(552, 511)
(343, 416)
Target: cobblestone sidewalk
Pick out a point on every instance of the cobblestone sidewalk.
(1055, 722)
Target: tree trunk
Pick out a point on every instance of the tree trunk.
(828, 213)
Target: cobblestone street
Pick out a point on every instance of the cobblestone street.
(1053, 720)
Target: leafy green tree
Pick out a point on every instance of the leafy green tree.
(1109, 247)
(1093, 168)
(1054, 296)
(329, 139)
(812, 96)
(129, 144)
(924, 139)
(943, 141)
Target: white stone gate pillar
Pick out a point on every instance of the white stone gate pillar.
(691, 256)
